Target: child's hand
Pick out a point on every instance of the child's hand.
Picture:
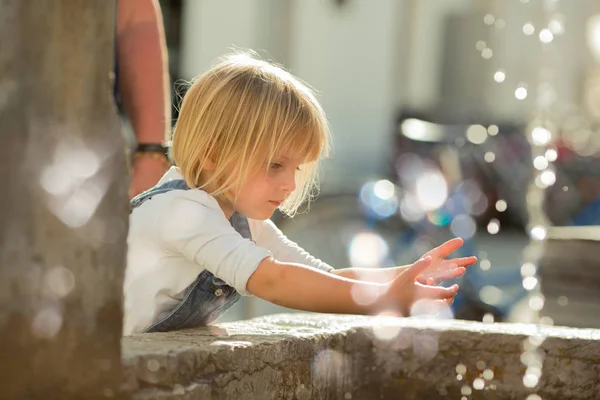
(405, 290)
(441, 269)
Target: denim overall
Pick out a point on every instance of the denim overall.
(208, 297)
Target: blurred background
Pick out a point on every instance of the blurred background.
(470, 118)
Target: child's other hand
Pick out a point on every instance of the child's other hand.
(405, 290)
(441, 269)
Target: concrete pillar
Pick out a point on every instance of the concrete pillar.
(63, 209)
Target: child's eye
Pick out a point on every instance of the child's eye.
(275, 165)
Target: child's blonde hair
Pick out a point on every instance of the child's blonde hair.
(239, 116)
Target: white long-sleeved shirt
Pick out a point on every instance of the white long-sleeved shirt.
(176, 235)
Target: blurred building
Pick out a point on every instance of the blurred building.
(525, 74)
(454, 59)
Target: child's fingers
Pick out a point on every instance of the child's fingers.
(435, 292)
(416, 269)
(464, 261)
(447, 248)
(445, 275)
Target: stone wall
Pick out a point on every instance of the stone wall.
(315, 356)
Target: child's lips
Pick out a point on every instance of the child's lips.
(275, 203)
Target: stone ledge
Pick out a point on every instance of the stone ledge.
(316, 356)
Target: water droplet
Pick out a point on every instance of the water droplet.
(500, 76)
(548, 177)
(386, 327)
(459, 377)
(493, 130)
(461, 369)
(545, 320)
(536, 302)
(491, 295)
(540, 163)
(493, 226)
(480, 45)
(530, 380)
(536, 340)
(520, 93)
(528, 269)
(384, 189)
(487, 53)
(488, 318)
(534, 396)
(463, 226)
(347, 395)
(47, 323)
(478, 384)
(466, 390)
(489, 157)
(489, 19)
(480, 365)
(476, 134)
(501, 205)
(528, 29)
(153, 365)
(488, 374)
(530, 282)
(541, 136)
(326, 362)
(551, 155)
(538, 233)
(109, 393)
(546, 36)
(60, 281)
(556, 27)
(431, 190)
(485, 264)
(500, 23)
(367, 250)
(563, 300)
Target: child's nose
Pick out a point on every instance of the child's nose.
(289, 183)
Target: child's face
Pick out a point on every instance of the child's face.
(263, 192)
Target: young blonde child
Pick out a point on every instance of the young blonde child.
(248, 141)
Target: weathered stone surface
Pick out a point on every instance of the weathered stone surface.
(316, 356)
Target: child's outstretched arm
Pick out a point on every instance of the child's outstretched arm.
(441, 269)
(304, 288)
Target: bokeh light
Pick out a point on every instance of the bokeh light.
(367, 250)
(499, 76)
(528, 29)
(431, 190)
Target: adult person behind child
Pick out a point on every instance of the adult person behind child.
(142, 87)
